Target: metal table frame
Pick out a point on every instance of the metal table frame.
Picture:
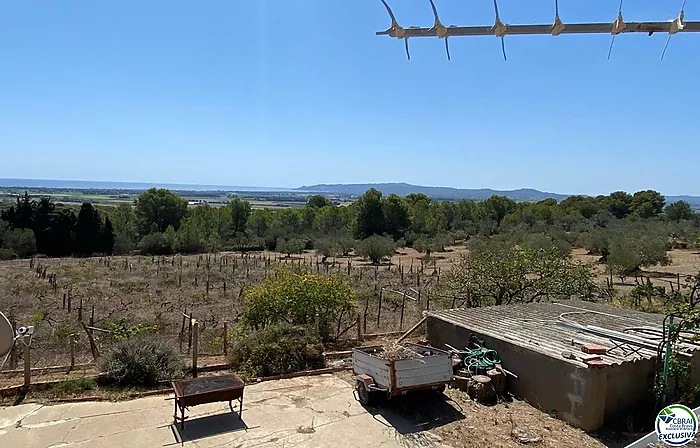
(184, 401)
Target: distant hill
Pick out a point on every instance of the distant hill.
(403, 189)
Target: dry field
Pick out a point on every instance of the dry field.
(56, 295)
(157, 290)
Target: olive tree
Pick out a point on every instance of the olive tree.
(376, 248)
(506, 273)
(290, 246)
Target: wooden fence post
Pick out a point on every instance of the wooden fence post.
(403, 305)
(27, 367)
(379, 308)
(359, 326)
(182, 329)
(72, 351)
(189, 342)
(225, 338)
(195, 337)
(364, 317)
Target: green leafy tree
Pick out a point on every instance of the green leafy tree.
(295, 297)
(158, 243)
(370, 214)
(629, 253)
(240, 213)
(678, 211)
(428, 245)
(327, 247)
(331, 220)
(540, 241)
(506, 274)
(291, 246)
(346, 244)
(259, 222)
(376, 248)
(21, 242)
(191, 237)
(648, 203)
(156, 209)
(318, 201)
(123, 219)
(496, 208)
(584, 205)
(396, 217)
(619, 203)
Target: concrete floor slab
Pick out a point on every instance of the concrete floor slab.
(309, 411)
(12, 415)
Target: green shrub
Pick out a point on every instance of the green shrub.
(20, 241)
(7, 254)
(73, 387)
(295, 297)
(276, 350)
(157, 244)
(121, 330)
(142, 361)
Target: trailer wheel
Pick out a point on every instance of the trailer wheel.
(365, 396)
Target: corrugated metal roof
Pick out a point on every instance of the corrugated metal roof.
(538, 326)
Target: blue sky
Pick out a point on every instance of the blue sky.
(285, 93)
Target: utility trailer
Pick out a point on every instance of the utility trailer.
(377, 376)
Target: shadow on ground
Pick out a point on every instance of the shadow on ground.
(211, 425)
(416, 412)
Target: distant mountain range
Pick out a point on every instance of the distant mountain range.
(401, 189)
(448, 193)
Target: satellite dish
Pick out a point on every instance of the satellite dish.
(7, 336)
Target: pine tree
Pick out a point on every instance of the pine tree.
(108, 237)
(88, 231)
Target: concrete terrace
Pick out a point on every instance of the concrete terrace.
(309, 411)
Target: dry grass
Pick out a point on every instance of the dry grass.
(156, 291)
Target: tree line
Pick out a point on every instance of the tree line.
(160, 222)
(38, 226)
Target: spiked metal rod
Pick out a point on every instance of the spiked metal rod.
(571, 28)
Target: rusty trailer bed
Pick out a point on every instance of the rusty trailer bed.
(214, 389)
